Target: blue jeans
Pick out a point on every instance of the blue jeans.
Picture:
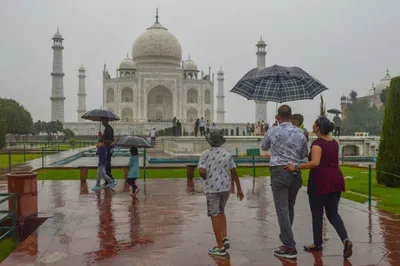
(101, 172)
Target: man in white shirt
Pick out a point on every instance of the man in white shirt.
(153, 134)
(202, 125)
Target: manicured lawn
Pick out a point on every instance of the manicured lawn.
(388, 198)
(16, 159)
(6, 247)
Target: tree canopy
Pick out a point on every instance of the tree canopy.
(51, 128)
(361, 116)
(384, 95)
(17, 119)
(387, 165)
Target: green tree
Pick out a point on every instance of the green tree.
(18, 120)
(384, 95)
(361, 116)
(388, 162)
(68, 134)
(353, 96)
(2, 134)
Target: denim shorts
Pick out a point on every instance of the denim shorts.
(216, 203)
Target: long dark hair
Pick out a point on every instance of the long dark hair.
(134, 151)
(325, 125)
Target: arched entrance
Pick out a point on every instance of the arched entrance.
(127, 115)
(127, 95)
(110, 95)
(159, 105)
(207, 115)
(191, 115)
(351, 150)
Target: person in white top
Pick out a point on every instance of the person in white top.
(153, 134)
(202, 125)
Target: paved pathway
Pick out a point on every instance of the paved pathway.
(168, 226)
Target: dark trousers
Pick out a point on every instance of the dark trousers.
(285, 187)
(174, 131)
(202, 131)
(195, 132)
(337, 131)
(153, 141)
(330, 202)
(132, 183)
(108, 163)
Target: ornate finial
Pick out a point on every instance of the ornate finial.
(261, 37)
(58, 30)
(189, 56)
(156, 15)
(373, 84)
(127, 55)
(387, 71)
(104, 67)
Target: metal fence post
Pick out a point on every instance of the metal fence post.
(42, 157)
(9, 161)
(369, 186)
(144, 164)
(24, 152)
(342, 155)
(14, 217)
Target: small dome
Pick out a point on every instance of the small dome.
(261, 42)
(58, 35)
(127, 63)
(343, 98)
(220, 72)
(189, 65)
(385, 82)
(81, 68)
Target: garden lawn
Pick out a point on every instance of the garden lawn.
(356, 181)
(6, 247)
(17, 158)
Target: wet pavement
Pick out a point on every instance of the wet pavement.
(168, 226)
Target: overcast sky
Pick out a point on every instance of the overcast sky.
(346, 44)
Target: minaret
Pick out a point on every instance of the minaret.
(261, 106)
(81, 93)
(220, 98)
(57, 89)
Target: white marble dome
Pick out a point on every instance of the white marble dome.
(385, 82)
(58, 35)
(127, 63)
(157, 46)
(189, 65)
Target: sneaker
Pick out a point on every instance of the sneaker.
(136, 191)
(285, 252)
(113, 184)
(226, 242)
(104, 185)
(348, 248)
(217, 251)
(96, 188)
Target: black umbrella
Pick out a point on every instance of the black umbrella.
(278, 84)
(99, 115)
(334, 111)
(132, 141)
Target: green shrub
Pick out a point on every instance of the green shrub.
(232, 132)
(388, 162)
(73, 142)
(237, 131)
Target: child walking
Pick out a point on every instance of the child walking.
(101, 167)
(217, 168)
(133, 170)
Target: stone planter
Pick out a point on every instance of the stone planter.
(24, 185)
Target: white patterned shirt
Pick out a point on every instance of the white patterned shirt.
(218, 163)
(287, 143)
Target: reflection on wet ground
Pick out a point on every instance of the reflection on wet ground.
(168, 226)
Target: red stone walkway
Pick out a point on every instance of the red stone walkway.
(168, 226)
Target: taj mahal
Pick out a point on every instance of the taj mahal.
(152, 87)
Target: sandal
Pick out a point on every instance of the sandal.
(312, 248)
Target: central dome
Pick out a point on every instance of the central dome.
(157, 46)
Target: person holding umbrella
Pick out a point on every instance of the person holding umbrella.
(338, 124)
(104, 116)
(133, 170)
(108, 137)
